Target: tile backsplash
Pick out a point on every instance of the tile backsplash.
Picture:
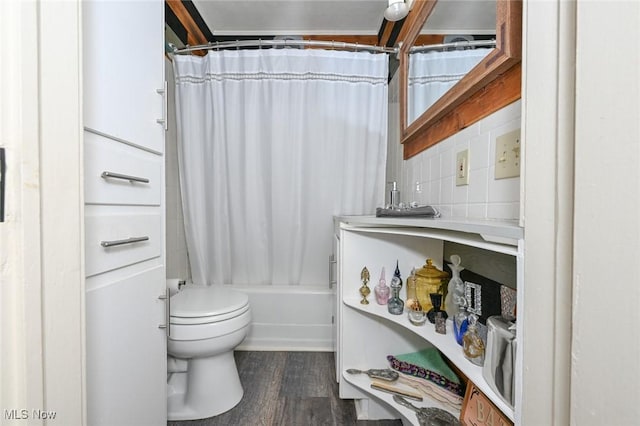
(429, 177)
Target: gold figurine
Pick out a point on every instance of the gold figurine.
(364, 290)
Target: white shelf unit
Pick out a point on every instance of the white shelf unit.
(368, 333)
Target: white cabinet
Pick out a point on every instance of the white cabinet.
(124, 108)
(123, 59)
(366, 334)
(126, 350)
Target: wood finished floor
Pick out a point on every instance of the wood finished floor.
(288, 389)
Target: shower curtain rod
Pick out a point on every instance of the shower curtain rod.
(283, 43)
(329, 44)
(453, 45)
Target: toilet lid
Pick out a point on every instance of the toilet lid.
(206, 301)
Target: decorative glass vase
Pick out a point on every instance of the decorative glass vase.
(382, 290)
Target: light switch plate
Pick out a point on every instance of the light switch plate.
(508, 155)
(462, 168)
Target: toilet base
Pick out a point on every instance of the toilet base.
(210, 387)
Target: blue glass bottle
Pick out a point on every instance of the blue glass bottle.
(395, 305)
(460, 324)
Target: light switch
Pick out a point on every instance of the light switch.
(508, 155)
(462, 168)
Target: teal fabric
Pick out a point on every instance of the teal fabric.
(430, 359)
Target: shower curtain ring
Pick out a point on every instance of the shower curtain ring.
(237, 44)
(259, 44)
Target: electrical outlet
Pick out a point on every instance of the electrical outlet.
(462, 168)
(508, 155)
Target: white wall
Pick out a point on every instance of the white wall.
(605, 343)
(42, 241)
(434, 168)
(177, 259)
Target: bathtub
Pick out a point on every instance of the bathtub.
(288, 318)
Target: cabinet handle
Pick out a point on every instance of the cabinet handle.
(332, 261)
(167, 311)
(122, 242)
(165, 105)
(113, 175)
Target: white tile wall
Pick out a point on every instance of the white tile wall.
(177, 259)
(434, 168)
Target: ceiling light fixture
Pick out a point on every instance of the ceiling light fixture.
(396, 11)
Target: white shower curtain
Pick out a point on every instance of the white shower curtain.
(431, 74)
(272, 144)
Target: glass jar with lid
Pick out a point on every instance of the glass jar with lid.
(430, 279)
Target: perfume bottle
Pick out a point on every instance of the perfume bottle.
(460, 324)
(472, 344)
(411, 286)
(436, 302)
(382, 290)
(455, 294)
(364, 289)
(395, 305)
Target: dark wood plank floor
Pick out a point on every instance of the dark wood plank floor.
(288, 389)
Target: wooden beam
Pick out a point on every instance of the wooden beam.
(194, 35)
(385, 30)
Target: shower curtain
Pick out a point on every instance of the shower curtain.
(271, 144)
(431, 74)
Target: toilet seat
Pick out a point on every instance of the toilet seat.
(207, 304)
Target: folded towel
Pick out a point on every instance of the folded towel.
(422, 211)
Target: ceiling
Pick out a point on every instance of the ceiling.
(201, 21)
(292, 17)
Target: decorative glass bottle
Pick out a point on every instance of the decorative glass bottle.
(460, 324)
(411, 286)
(395, 305)
(364, 289)
(436, 302)
(429, 280)
(472, 344)
(382, 290)
(455, 295)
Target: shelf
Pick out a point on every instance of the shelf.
(445, 344)
(491, 231)
(363, 382)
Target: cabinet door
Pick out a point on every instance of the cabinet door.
(123, 46)
(126, 351)
(333, 283)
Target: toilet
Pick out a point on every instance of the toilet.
(206, 324)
